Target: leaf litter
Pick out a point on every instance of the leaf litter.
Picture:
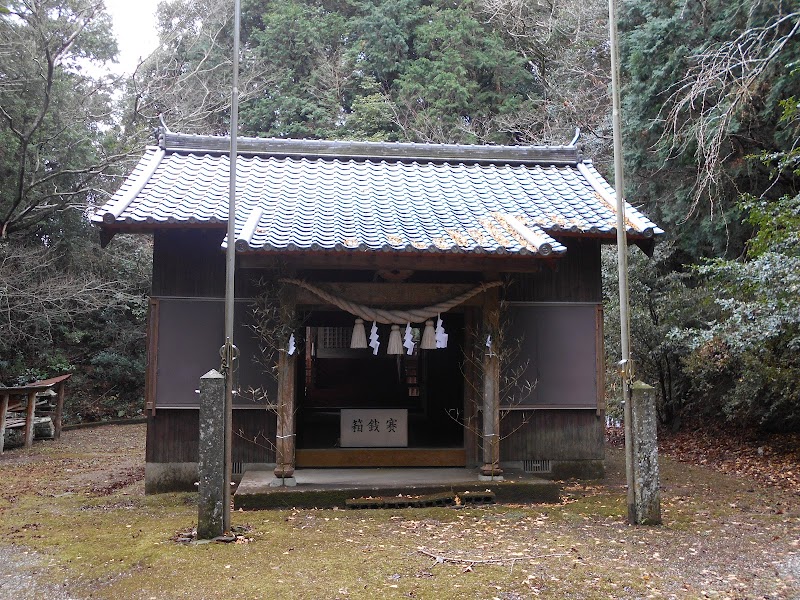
(726, 535)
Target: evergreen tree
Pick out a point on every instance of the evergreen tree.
(54, 146)
(688, 161)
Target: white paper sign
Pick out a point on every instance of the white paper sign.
(374, 428)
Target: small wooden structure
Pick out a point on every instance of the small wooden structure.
(25, 398)
(353, 234)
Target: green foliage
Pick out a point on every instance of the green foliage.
(56, 151)
(371, 69)
(383, 37)
(712, 131)
(112, 366)
(303, 45)
(73, 308)
(692, 116)
(661, 300)
(777, 225)
(747, 359)
(459, 72)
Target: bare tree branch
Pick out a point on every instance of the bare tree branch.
(722, 84)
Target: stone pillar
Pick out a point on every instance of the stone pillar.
(491, 387)
(285, 438)
(646, 508)
(211, 465)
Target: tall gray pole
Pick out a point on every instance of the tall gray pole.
(622, 256)
(229, 350)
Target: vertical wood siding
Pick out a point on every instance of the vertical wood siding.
(552, 434)
(575, 277)
(191, 263)
(188, 262)
(172, 436)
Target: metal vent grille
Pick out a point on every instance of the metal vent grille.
(335, 337)
(236, 467)
(537, 466)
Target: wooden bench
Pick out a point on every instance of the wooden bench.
(25, 398)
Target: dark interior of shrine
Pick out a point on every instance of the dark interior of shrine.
(331, 376)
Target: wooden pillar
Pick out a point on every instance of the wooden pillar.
(471, 398)
(3, 412)
(287, 368)
(491, 385)
(30, 412)
(59, 409)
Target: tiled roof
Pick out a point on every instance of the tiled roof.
(312, 195)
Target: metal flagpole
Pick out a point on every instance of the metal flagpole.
(626, 365)
(229, 351)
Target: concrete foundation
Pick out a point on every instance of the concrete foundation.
(333, 487)
(565, 469)
(160, 478)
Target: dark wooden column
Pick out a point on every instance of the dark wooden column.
(59, 409)
(285, 433)
(3, 412)
(30, 413)
(491, 385)
(471, 397)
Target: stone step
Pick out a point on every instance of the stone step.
(389, 488)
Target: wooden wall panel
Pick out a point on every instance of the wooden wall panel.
(558, 354)
(188, 262)
(188, 339)
(254, 436)
(575, 277)
(172, 436)
(552, 434)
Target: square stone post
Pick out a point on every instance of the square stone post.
(211, 466)
(646, 508)
(491, 387)
(285, 438)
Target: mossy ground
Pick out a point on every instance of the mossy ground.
(78, 506)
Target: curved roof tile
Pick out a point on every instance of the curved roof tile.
(309, 195)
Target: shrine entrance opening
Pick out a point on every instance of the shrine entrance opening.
(355, 408)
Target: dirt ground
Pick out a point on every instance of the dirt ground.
(75, 524)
